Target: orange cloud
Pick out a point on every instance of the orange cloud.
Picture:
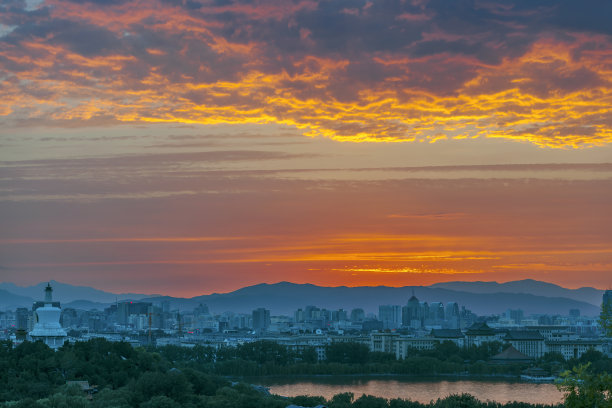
(557, 92)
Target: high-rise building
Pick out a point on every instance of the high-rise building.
(357, 315)
(339, 315)
(21, 318)
(516, 315)
(201, 310)
(436, 313)
(312, 313)
(261, 319)
(411, 313)
(390, 316)
(127, 309)
(298, 316)
(451, 315)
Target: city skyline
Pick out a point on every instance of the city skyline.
(199, 147)
(483, 298)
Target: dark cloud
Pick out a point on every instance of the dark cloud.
(315, 64)
(587, 16)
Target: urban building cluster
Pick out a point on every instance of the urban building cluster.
(396, 329)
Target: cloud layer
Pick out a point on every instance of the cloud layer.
(349, 70)
(170, 224)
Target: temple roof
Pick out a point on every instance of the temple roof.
(511, 354)
(480, 329)
(524, 335)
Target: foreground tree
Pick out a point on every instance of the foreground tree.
(605, 318)
(582, 389)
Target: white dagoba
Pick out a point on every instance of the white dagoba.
(48, 327)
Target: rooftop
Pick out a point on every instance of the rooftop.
(511, 354)
(447, 333)
(524, 335)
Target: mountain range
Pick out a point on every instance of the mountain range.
(65, 293)
(530, 286)
(284, 297)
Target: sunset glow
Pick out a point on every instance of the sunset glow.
(201, 146)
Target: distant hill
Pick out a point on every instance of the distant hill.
(10, 301)
(85, 305)
(285, 298)
(68, 293)
(528, 286)
(482, 298)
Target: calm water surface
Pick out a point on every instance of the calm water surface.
(416, 390)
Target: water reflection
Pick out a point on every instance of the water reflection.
(421, 391)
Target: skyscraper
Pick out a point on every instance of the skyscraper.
(411, 313)
(261, 319)
(390, 316)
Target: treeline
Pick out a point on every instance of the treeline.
(34, 376)
(270, 358)
(348, 400)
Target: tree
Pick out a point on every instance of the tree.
(343, 400)
(264, 351)
(582, 389)
(172, 384)
(160, 401)
(347, 353)
(458, 401)
(112, 398)
(605, 318)
(308, 355)
(369, 401)
(308, 400)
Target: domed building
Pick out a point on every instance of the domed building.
(47, 325)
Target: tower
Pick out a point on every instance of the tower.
(47, 327)
(48, 294)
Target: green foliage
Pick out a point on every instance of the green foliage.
(583, 389)
(33, 376)
(172, 384)
(369, 401)
(458, 401)
(308, 401)
(380, 357)
(343, 400)
(264, 352)
(402, 403)
(64, 400)
(27, 403)
(160, 401)
(108, 398)
(605, 318)
(347, 353)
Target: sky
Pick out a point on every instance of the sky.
(191, 147)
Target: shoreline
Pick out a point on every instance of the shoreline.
(422, 389)
(510, 378)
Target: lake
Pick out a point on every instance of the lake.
(415, 389)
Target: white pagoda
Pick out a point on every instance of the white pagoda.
(47, 327)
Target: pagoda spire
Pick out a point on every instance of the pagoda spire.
(48, 293)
